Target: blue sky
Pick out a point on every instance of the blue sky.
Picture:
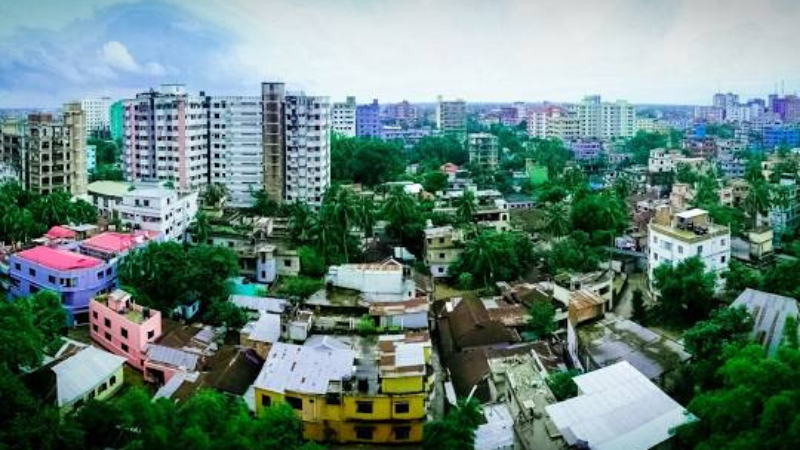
(677, 51)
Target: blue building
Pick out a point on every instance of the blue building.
(368, 120)
(777, 136)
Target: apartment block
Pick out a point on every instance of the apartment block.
(155, 208)
(122, 327)
(344, 117)
(451, 118)
(235, 146)
(402, 112)
(368, 119)
(166, 138)
(307, 148)
(98, 115)
(605, 120)
(54, 152)
(443, 246)
(483, 150)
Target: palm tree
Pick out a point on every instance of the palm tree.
(302, 222)
(481, 255)
(466, 207)
(556, 219)
(214, 194)
(343, 214)
(365, 216)
(201, 227)
(757, 200)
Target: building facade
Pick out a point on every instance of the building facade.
(308, 148)
(98, 116)
(152, 207)
(344, 117)
(483, 150)
(368, 119)
(451, 118)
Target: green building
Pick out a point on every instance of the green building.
(116, 119)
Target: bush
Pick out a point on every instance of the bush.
(366, 326)
(312, 264)
(465, 281)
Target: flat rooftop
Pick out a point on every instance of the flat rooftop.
(58, 259)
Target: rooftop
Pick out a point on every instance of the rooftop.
(82, 372)
(59, 259)
(108, 188)
(266, 304)
(769, 312)
(113, 242)
(266, 329)
(618, 408)
(59, 232)
(302, 369)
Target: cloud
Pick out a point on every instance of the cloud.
(116, 55)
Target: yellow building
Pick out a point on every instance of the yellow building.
(365, 392)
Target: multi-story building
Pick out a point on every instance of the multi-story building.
(344, 117)
(361, 393)
(564, 126)
(537, 121)
(780, 136)
(98, 115)
(787, 107)
(676, 237)
(13, 134)
(483, 150)
(152, 207)
(442, 249)
(605, 120)
(368, 119)
(783, 213)
(166, 138)
(725, 100)
(116, 120)
(451, 118)
(234, 142)
(273, 139)
(403, 113)
(122, 327)
(586, 149)
(55, 152)
(647, 124)
(409, 136)
(91, 158)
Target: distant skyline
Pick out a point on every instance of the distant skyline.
(645, 51)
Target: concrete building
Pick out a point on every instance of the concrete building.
(344, 117)
(387, 281)
(483, 150)
(451, 118)
(564, 126)
(87, 374)
(273, 139)
(605, 120)
(122, 327)
(586, 149)
(98, 116)
(368, 119)
(442, 248)
(675, 237)
(55, 152)
(13, 135)
(403, 113)
(107, 195)
(235, 147)
(166, 138)
(152, 207)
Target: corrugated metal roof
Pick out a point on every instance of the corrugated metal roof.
(302, 369)
(171, 356)
(84, 371)
(498, 431)
(266, 329)
(409, 355)
(268, 304)
(769, 314)
(619, 408)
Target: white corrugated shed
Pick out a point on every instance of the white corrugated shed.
(83, 372)
(618, 408)
(302, 369)
(498, 431)
(267, 304)
(770, 312)
(409, 354)
(171, 356)
(266, 329)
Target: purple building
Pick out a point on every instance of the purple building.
(586, 150)
(368, 120)
(75, 277)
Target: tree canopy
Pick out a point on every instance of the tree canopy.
(685, 291)
(456, 431)
(493, 256)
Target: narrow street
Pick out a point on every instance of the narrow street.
(623, 305)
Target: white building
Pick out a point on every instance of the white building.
(675, 237)
(379, 282)
(234, 129)
(165, 138)
(537, 120)
(344, 117)
(91, 158)
(308, 148)
(451, 117)
(605, 120)
(151, 207)
(660, 161)
(98, 114)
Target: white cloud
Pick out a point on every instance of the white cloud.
(116, 56)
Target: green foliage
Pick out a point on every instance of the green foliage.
(639, 312)
(106, 152)
(550, 193)
(466, 207)
(434, 151)
(225, 313)
(562, 384)
(263, 205)
(556, 219)
(782, 279)
(312, 264)
(758, 200)
(30, 327)
(299, 289)
(166, 274)
(107, 172)
(686, 292)
(369, 161)
(201, 228)
(434, 181)
(722, 131)
(366, 325)
(739, 277)
(757, 404)
(493, 256)
(641, 144)
(552, 154)
(541, 321)
(573, 253)
(466, 281)
(406, 220)
(456, 431)
(601, 212)
(214, 194)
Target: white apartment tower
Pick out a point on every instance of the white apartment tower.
(307, 148)
(165, 138)
(98, 115)
(344, 117)
(235, 146)
(604, 120)
(451, 118)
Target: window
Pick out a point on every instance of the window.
(51, 279)
(113, 380)
(402, 433)
(294, 402)
(364, 407)
(17, 266)
(722, 259)
(102, 388)
(287, 263)
(32, 272)
(94, 314)
(108, 336)
(401, 408)
(680, 249)
(441, 255)
(364, 433)
(124, 332)
(124, 348)
(100, 275)
(107, 322)
(95, 328)
(150, 334)
(699, 250)
(441, 240)
(440, 269)
(266, 400)
(722, 242)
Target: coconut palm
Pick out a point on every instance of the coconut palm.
(214, 194)
(466, 207)
(757, 200)
(201, 227)
(556, 219)
(365, 215)
(302, 222)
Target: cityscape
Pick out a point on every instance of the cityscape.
(511, 225)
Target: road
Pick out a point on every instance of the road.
(622, 305)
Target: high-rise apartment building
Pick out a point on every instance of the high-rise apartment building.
(308, 148)
(54, 152)
(600, 119)
(98, 115)
(402, 113)
(165, 138)
(451, 118)
(483, 150)
(13, 134)
(368, 119)
(235, 146)
(273, 139)
(344, 117)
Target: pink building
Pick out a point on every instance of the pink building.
(123, 327)
(109, 245)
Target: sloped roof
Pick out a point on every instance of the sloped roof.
(81, 373)
(172, 356)
(113, 242)
(618, 408)
(266, 329)
(302, 369)
(770, 312)
(58, 259)
(59, 232)
(471, 325)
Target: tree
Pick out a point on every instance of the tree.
(214, 194)
(368, 161)
(52, 209)
(685, 291)
(434, 181)
(739, 277)
(603, 212)
(434, 151)
(493, 256)
(556, 219)
(456, 430)
(201, 227)
(366, 325)
(757, 201)
(263, 205)
(641, 144)
(82, 211)
(639, 312)
(224, 313)
(466, 207)
(299, 289)
(30, 327)
(302, 222)
(562, 384)
(575, 252)
(406, 223)
(312, 264)
(541, 322)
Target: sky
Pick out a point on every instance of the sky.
(645, 51)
